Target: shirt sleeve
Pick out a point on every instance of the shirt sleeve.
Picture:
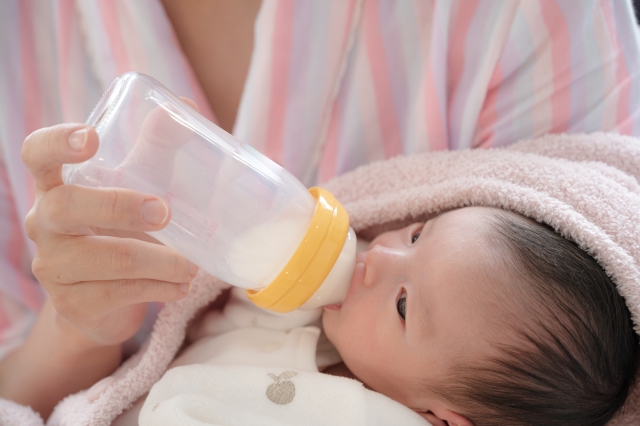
(566, 66)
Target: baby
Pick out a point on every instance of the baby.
(478, 316)
(481, 316)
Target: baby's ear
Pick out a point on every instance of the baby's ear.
(441, 416)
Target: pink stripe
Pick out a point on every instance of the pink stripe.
(489, 114)
(328, 165)
(281, 48)
(5, 321)
(624, 120)
(339, 21)
(109, 12)
(387, 114)
(541, 108)
(458, 43)
(561, 65)
(330, 154)
(30, 81)
(603, 40)
(64, 22)
(434, 117)
(130, 32)
(30, 84)
(32, 121)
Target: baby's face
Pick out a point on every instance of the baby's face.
(420, 299)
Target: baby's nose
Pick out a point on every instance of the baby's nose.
(384, 264)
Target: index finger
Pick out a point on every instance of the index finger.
(46, 150)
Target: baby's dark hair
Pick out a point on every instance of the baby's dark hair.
(576, 353)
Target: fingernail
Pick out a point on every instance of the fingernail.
(78, 139)
(96, 390)
(154, 212)
(184, 287)
(193, 269)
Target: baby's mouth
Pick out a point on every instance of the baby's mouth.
(358, 275)
(333, 307)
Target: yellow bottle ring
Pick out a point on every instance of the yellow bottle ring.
(312, 261)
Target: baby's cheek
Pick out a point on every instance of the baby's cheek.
(341, 333)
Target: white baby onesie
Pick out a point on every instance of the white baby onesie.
(249, 366)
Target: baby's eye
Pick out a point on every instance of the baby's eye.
(415, 236)
(401, 305)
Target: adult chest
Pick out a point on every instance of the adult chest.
(216, 36)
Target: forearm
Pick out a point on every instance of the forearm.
(55, 361)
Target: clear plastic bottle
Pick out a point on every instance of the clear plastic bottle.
(235, 213)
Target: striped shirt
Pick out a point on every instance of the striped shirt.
(332, 85)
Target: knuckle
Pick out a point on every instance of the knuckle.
(47, 269)
(110, 204)
(31, 225)
(39, 268)
(39, 140)
(26, 153)
(55, 204)
(121, 206)
(178, 267)
(132, 289)
(165, 292)
(146, 290)
(124, 257)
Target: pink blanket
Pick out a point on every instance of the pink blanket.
(584, 186)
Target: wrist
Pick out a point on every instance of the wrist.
(56, 360)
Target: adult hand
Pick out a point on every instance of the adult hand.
(93, 257)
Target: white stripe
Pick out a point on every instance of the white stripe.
(251, 121)
(97, 46)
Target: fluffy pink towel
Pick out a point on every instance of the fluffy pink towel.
(585, 186)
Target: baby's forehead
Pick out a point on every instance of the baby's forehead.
(468, 226)
(468, 265)
(477, 228)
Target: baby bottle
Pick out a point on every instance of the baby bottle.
(234, 213)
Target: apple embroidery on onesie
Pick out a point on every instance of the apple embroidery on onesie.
(282, 391)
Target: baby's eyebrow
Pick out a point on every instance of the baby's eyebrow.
(428, 224)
